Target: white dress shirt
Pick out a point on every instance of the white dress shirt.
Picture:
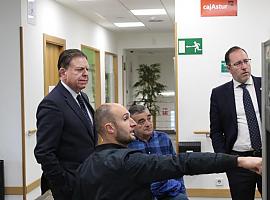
(243, 138)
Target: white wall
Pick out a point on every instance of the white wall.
(10, 108)
(198, 74)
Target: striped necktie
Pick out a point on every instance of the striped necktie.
(82, 105)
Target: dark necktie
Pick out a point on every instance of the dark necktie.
(84, 110)
(252, 121)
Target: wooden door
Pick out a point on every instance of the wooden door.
(53, 47)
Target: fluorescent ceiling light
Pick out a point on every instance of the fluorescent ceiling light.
(129, 24)
(149, 12)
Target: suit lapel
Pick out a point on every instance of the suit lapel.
(92, 112)
(75, 107)
(231, 100)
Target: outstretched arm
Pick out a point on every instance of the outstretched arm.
(251, 163)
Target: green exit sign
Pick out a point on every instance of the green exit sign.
(223, 67)
(190, 46)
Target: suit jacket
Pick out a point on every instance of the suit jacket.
(64, 137)
(223, 118)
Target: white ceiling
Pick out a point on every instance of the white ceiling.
(107, 12)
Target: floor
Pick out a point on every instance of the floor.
(197, 198)
(48, 196)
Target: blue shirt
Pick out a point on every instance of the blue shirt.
(160, 144)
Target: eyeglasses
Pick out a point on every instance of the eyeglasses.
(241, 62)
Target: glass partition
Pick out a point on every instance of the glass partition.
(111, 78)
(266, 118)
(93, 87)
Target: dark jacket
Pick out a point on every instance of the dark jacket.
(223, 118)
(64, 138)
(115, 172)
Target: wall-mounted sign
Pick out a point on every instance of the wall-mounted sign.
(190, 46)
(31, 12)
(223, 67)
(211, 8)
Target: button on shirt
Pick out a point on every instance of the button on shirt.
(243, 139)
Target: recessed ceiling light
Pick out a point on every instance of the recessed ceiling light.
(149, 12)
(129, 24)
(155, 20)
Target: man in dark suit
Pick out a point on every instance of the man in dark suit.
(231, 129)
(65, 126)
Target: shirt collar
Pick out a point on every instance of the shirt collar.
(153, 135)
(102, 147)
(248, 82)
(72, 92)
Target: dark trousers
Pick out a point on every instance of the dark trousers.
(57, 194)
(243, 182)
(44, 184)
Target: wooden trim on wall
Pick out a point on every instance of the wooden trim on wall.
(115, 73)
(20, 190)
(48, 39)
(217, 193)
(198, 192)
(123, 68)
(221, 193)
(92, 48)
(22, 116)
(98, 80)
(97, 75)
(14, 191)
(115, 69)
(53, 40)
(33, 186)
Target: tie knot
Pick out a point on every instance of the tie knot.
(79, 97)
(80, 100)
(243, 86)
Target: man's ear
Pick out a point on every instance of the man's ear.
(109, 128)
(62, 72)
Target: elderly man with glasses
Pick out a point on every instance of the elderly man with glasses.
(235, 121)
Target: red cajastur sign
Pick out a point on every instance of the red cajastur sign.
(211, 8)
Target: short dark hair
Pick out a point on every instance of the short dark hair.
(137, 109)
(66, 57)
(103, 115)
(231, 50)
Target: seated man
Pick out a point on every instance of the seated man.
(113, 171)
(155, 142)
